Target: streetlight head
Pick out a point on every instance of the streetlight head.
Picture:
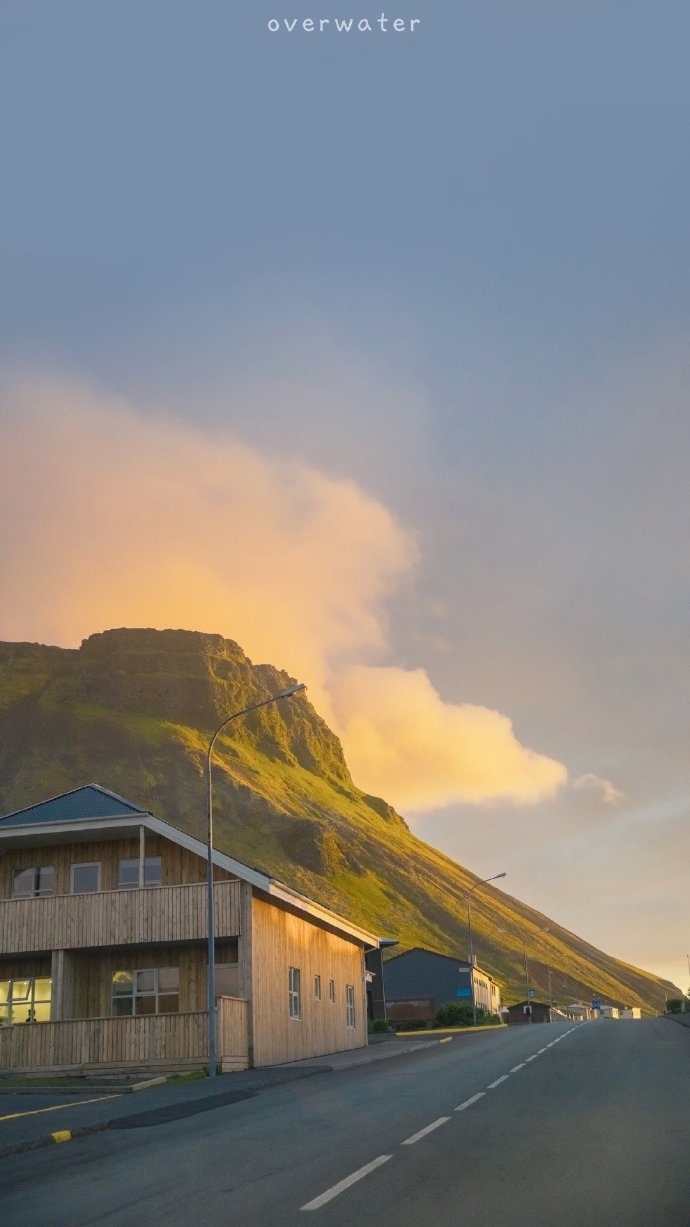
(501, 875)
(287, 694)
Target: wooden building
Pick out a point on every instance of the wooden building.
(529, 1012)
(103, 945)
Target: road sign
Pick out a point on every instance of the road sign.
(531, 992)
(596, 1004)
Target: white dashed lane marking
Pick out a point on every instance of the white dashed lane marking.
(423, 1132)
(468, 1102)
(346, 1183)
(361, 1172)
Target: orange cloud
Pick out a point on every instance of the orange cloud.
(421, 752)
(111, 518)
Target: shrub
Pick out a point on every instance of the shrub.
(454, 1014)
(377, 1026)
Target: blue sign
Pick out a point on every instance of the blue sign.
(463, 992)
(596, 1004)
(531, 992)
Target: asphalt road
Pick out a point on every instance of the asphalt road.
(552, 1124)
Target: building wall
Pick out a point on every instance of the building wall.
(178, 866)
(421, 973)
(486, 992)
(87, 975)
(281, 939)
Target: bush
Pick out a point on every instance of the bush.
(377, 1026)
(455, 1014)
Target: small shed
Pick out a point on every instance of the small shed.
(528, 1012)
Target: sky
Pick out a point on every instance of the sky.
(368, 349)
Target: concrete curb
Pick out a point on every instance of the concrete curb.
(114, 1088)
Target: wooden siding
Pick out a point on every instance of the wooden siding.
(152, 1041)
(26, 965)
(280, 940)
(178, 865)
(116, 918)
(233, 1034)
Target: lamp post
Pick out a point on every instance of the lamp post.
(476, 886)
(211, 981)
(529, 1004)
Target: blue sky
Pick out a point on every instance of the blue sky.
(431, 290)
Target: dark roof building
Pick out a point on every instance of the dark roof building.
(423, 974)
(529, 1012)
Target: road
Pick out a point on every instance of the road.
(562, 1124)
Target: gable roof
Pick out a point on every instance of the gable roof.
(93, 810)
(91, 801)
(428, 954)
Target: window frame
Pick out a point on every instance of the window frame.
(331, 991)
(85, 865)
(27, 1002)
(317, 988)
(294, 994)
(36, 892)
(134, 860)
(350, 1005)
(154, 994)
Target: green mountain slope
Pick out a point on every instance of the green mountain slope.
(133, 710)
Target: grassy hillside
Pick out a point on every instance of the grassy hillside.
(133, 710)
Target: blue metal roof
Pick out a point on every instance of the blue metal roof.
(92, 801)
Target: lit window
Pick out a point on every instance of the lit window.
(86, 879)
(294, 1003)
(29, 883)
(317, 987)
(152, 991)
(349, 1005)
(26, 1000)
(128, 872)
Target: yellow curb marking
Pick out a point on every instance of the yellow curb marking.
(56, 1107)
(62, 1135)
(446, 1039)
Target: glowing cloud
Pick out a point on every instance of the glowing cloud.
(421, 752)
(110, 518)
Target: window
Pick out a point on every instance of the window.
(128, 872)
(227, 980)
(86, 878)
(349, 1005)
(331, 991)
(294, 1003)
(317, 988)
(26, 1000)
(29, 883)
(152, 991)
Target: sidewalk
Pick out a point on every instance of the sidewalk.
(45, 1117)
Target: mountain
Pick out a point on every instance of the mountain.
(134, 711)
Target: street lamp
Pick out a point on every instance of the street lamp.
(476, 886)
(211, 982)
(524, 947)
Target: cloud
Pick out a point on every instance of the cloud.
(114, 518)
(422, 753)
(608, 791)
